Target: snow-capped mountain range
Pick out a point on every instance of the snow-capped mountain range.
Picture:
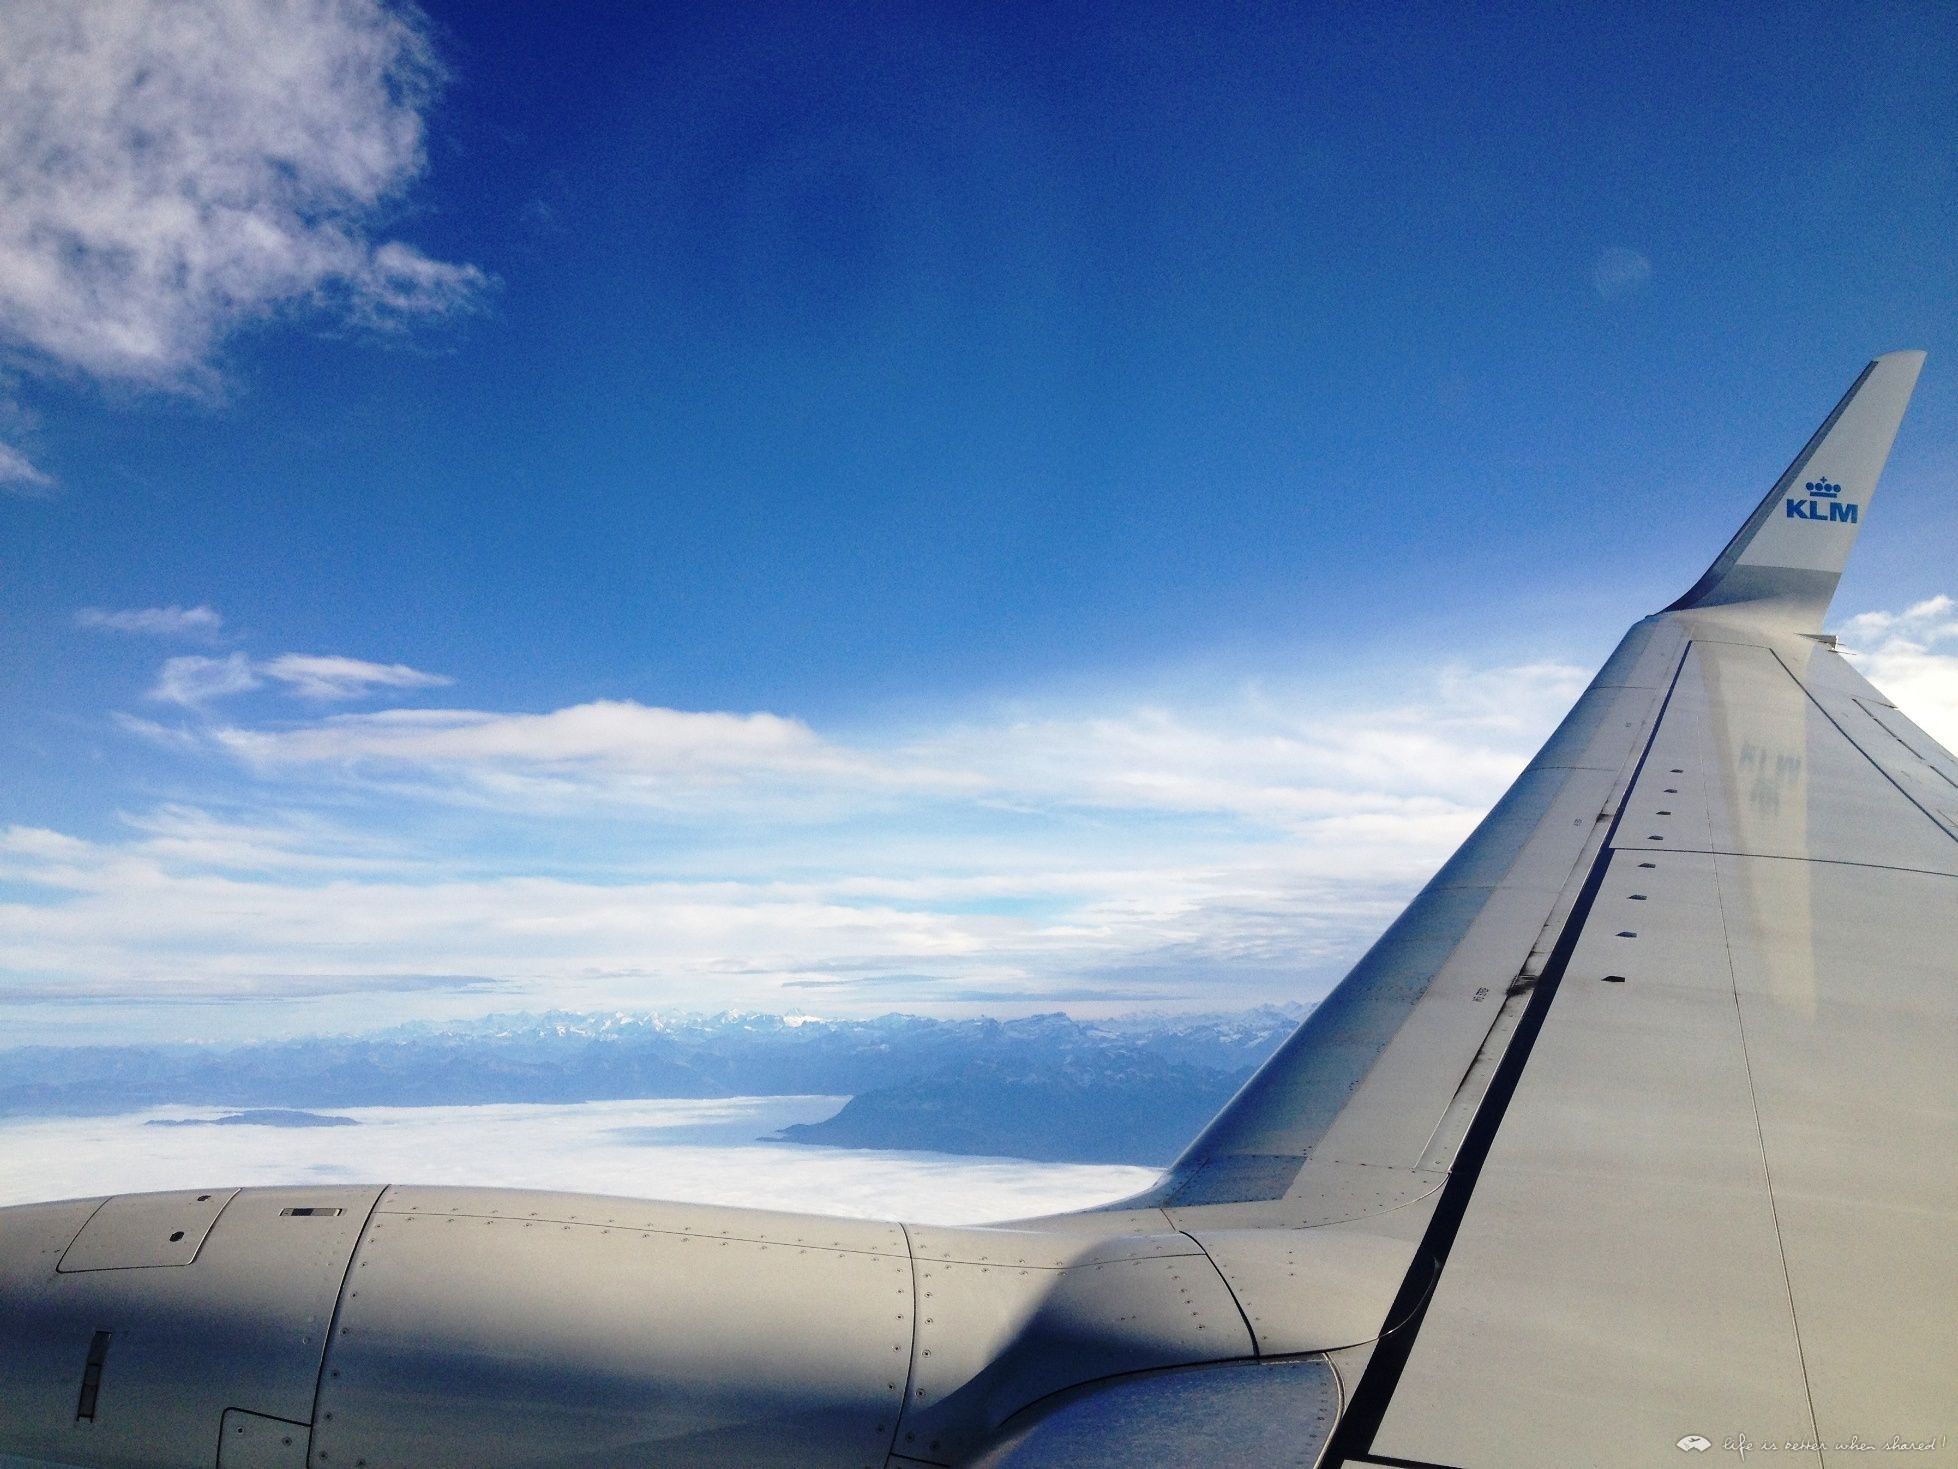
(1128, 1089)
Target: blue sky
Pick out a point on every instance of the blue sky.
(885, 506)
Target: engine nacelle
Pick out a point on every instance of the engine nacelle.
(415, 1328)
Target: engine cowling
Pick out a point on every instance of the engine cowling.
(484, 1328)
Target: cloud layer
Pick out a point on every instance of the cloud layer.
(1278, 757)
(1619, 271)
(172, 171)
(19, 477)
(701, 1152)
(1223, 845)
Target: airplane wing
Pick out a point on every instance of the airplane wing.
(1637, 1129)
(1632, 1138)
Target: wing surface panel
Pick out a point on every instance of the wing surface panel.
(1787, 778)
(1849, 1021)
(1930, 763)
(1618, 1255)
(1888, 736)
(1720, 1200)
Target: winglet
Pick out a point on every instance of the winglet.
(1790, 554)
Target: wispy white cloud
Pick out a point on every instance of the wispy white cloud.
(194, 680)
(122, 909)
(1275, 757)
(1912, 656)
(1619, 271)
(18, 476)
(607, 749)
(163, 622)
(40, 845)
(327, 678)
(169, 172)
(188, 837)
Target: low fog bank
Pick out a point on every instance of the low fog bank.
(698, 1151)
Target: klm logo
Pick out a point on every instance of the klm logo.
(1823, 503)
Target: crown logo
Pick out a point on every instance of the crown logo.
(1822, 489)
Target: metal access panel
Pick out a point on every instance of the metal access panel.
(136, 1231)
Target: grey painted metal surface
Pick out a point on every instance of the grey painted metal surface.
(1311, 1290)
(242, 1326)
(1638, 1123)
(483, 1328)
(1741, 1154)
(1619, 1253)
(993, 1338)
(253, 1441)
